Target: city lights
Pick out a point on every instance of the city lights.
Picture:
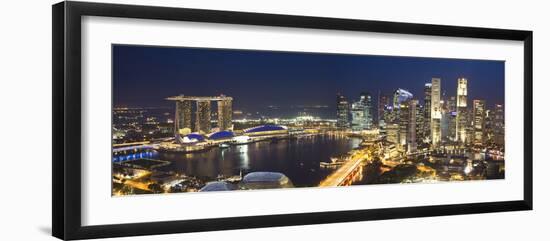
(304, 129)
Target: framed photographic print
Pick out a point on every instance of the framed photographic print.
(170, 120)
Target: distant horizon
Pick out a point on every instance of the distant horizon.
(143, 76)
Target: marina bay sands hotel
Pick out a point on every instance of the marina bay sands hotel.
(203, 105)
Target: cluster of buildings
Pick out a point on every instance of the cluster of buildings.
(139, 124)
(434, 121)
(194, 113)
(360, 111)
(195, 131)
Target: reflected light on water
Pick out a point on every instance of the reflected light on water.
(243, 153)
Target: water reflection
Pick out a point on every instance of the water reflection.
(298, 159)
(243, 151)
(133, 156)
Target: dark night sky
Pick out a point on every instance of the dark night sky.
(144, 75)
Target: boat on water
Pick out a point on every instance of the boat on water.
(224, 145)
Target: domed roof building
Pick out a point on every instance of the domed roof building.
(264, 128)
(221, 135)
(191, 138)
(266, 180)
(218, 186)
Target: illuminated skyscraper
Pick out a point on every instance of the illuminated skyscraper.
(393, 112)
(489, 126)
(462, 110)
(408, 126)
(202, 118)
(419, 122)
(451, 113)
(225, 112)
(427, 110)
(400, 96)
(392, 133)
(404, 123)
(498, 124)
(411, 132)
(183, 116)
(361, 113)
(436, 112)
(203, 124)
(479, 122)
(383, 103)
(342, 112)
(389, 117)
(358, 118)
(369, 115)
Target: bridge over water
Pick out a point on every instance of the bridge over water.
(348, 172)
(132, 146)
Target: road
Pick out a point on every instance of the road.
(340, 175)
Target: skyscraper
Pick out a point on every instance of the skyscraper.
(183, 116)
(225, 112)
(479, 122)
(202, 119)
(389, 117)
(419, 121)
(462, 110)
(436, 112)
(408, 126)
(498, 124)
(404, 123)
(361, 113)
(383, 102)
(392, 133)
(400, 96)
(358, 118)
(342, 112)
(451, 112)
(427, 111)
(411, 132)
(366, 98)
(203, 124)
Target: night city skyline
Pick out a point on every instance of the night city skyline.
(292, 78)
(203, 120)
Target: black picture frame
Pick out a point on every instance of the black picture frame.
(66, 158)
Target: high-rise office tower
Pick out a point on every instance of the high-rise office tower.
(383, 103)
(404, 123)
(419, 121)
(183, 116)
(479, 122)
(203, 124)
(462, 110)
(225, 112)
(366, 98)
(392, 133)
(389, 117)
(400, 96)
(436, 112)
(411, 132)
(408, 125)
(342, 112)
(498, 124)
(451, 113)
(358, 118)
(361, 113)
(489, 126)
(427, 111)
